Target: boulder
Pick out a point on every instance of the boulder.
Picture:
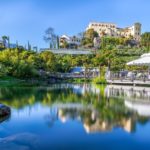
(4, 110)
(4, 118)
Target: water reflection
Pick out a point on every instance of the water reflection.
(63, 110)
(135, 98)
(99, 109)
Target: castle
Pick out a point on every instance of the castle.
(111, 29)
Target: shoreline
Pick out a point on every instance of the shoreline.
(10, 81)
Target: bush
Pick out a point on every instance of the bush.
(100, 80)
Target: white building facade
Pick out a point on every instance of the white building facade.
(70, 40)
(111, 29)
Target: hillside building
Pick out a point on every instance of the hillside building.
(111, 29)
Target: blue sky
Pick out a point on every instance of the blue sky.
(25, 20)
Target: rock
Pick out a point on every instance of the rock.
(4, 118)
(4, 110)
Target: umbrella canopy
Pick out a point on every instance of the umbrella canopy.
(143, 61)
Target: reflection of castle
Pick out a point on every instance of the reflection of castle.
(74, 111)
(91, 118)
(103, 126)
(97, 126)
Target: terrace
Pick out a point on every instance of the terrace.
(132, 77)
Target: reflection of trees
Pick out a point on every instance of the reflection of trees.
(104, 113)
(51, 117)
(21, 97)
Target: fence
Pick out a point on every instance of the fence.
(129, 76)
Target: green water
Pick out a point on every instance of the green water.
(75, 117)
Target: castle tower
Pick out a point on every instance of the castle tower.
(137, 31)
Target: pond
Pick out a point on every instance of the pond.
(76, 117)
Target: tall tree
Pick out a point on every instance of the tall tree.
(91, 34)
(6, 41)
(50, 37)
(88, 39)
(58, 45)
(29, 46)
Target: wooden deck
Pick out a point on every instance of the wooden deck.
(129, 82)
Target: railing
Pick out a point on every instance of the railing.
(129, 76)
(71, 75)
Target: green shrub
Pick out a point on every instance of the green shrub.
(100, 80)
